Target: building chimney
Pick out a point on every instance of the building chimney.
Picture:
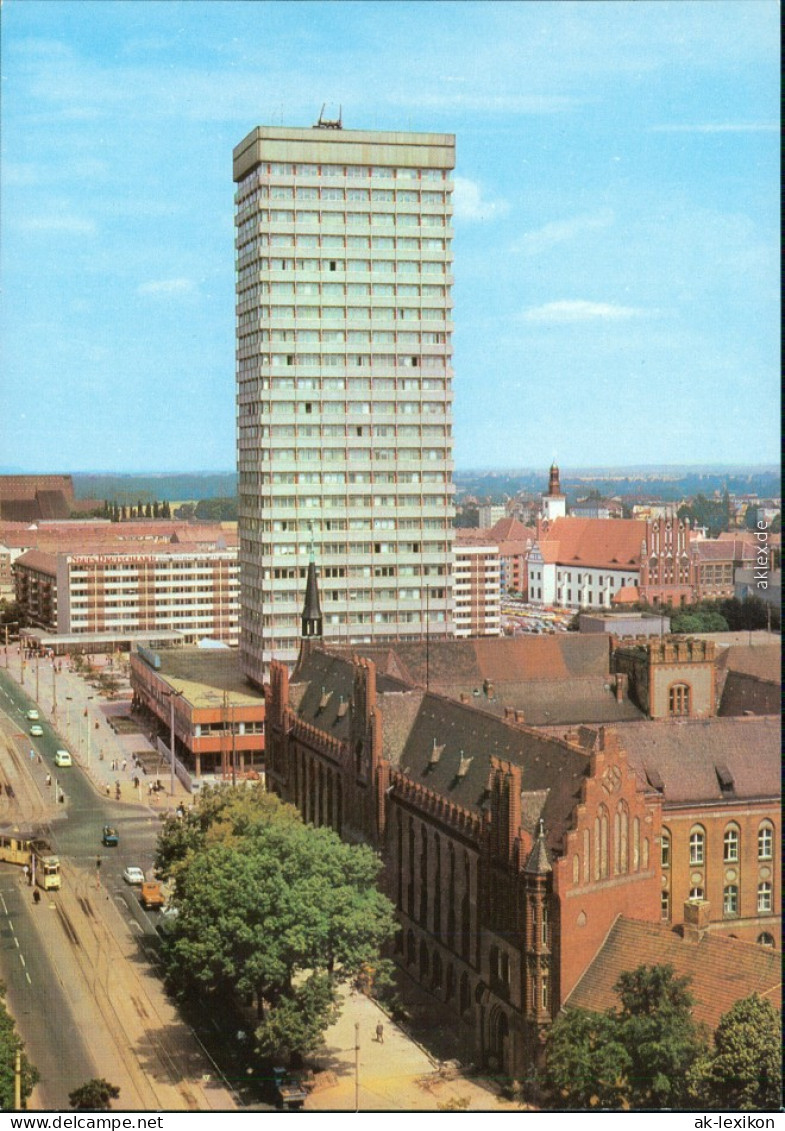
(696, 919)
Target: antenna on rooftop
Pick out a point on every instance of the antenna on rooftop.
(329, 123)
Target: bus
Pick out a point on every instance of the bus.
(23, 848)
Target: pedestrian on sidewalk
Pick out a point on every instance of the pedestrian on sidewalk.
(48, 779)
(380, 1033)
(125, 763)
(36, 896)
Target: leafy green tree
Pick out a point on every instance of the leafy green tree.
(216, 510)
(699, 620)
(268, 909)
(95, 1095)
(634, 1057)
(656, 1026)
(587, 1066)
(743, 1071)
(295, 1027)
(10, 1042)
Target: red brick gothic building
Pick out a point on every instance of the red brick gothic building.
(510, 852)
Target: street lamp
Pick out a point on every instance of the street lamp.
(172, 696)
(69, 700)
(87, 726)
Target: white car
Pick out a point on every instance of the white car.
(63, 758)
(33, 714)
(133, 875)
(36, 730)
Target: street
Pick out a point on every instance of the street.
(81, 961)
(90, 948)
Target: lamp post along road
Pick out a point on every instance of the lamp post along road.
(172, 696)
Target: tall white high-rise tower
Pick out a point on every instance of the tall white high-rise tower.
(344, 384)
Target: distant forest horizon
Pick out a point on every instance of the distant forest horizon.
(663, 481)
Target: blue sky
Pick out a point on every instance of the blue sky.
(616, 217)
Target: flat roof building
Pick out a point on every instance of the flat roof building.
(218, 720)
(344, 384)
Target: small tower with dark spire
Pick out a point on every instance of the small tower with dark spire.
(554, 504)
(312, 611)
(539, 990)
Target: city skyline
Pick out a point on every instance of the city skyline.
(616, 218)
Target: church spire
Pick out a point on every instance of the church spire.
(312, 611)
(553, 481)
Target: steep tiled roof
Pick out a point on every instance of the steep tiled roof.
(52, 504)
(609, 543)
(38, 560)
(686, 753)
(763, 661)
(744, 694)
(326, 683)
(707, 550)
(627, 595)
(453, 666)
(19, 510)
(511, 530)
(445, 745)
(721, 970)
(578, 699)
(466, 737)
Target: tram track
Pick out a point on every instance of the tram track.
(159, 1060)
(133, 998)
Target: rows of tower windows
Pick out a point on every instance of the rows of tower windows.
(253, 183)
(335, 248)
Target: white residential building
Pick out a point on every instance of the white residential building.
(477, 588)
(344, 384)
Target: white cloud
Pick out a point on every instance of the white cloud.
(469, 204)
(562, 231)
(167, 287)
(580, 310)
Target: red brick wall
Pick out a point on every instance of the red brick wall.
(716, 873)
(605, 871)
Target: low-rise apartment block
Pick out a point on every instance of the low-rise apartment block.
(476, 585)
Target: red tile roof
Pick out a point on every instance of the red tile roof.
(602, 543)
(763, 661)
(39, 561)
(511, 530)
(685, 753)
(627, 595)
(722, 970)
(724, 551)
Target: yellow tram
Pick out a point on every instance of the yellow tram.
(35, 852)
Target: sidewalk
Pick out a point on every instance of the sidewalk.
(82, 717)
(395, 1074)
